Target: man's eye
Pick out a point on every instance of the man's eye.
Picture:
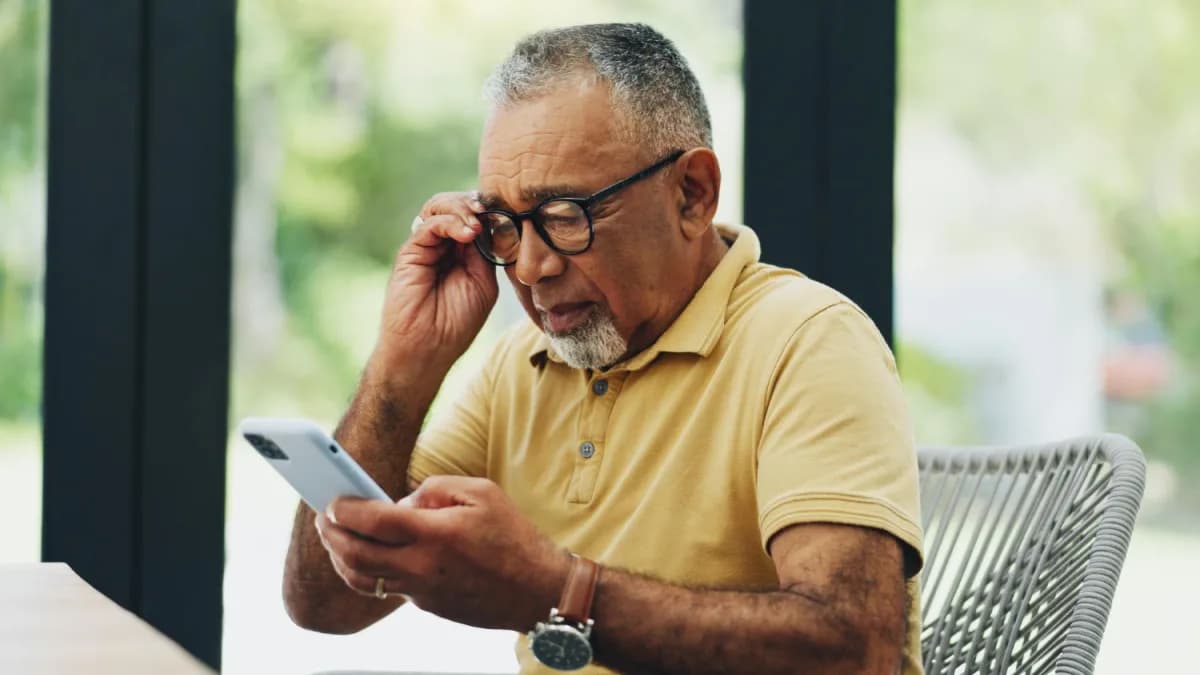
(601, 209)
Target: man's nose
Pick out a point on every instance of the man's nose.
(535, 259)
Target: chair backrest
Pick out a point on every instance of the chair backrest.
(1023, 548)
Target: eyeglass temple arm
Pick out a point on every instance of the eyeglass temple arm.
(604, 192)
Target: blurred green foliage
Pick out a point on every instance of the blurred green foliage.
(1163, 264)
(1103, 94)
(936, 391)
(22, 75)
(21, 38)
(351, 170)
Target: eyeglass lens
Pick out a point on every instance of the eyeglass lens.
(564, 222)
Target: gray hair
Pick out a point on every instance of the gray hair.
(652, 87)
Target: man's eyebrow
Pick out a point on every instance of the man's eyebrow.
(533, 195)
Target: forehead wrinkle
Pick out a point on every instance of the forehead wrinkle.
(533, 194)
(531, 153)
(529, 175)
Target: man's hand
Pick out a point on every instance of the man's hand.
(460, 549)
(439, 294)
(441, 289)
(457, 546)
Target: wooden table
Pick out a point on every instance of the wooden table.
(53, 622)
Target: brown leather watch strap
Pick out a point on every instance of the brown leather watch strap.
(576, 603)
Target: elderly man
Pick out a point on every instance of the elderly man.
(686, 461)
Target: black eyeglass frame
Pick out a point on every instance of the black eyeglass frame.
(584, 203)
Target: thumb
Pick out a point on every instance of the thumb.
(438, 492)
(479, 269)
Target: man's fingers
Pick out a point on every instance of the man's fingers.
(355, 580)
(361, 555)
(399, 588)
(479, 268)
(360, 562)
(453, 202)
(434, 240)
(456, 490)
(465, 205)
(385, 522)
(446, 218)
(435, 229)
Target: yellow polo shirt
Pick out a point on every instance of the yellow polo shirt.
(771, 400)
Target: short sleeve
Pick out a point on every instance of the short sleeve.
(455, 441)
(836, 444)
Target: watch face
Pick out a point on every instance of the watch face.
(561, 648)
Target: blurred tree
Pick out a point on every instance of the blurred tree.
(21, 87)
(939, 395)
(1105, 95)
(22, 80)
(329, 172)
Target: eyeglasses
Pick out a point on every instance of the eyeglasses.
(564, 223)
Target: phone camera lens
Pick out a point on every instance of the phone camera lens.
(333, 449)
(266, 447)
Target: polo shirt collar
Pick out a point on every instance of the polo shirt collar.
(698, 327)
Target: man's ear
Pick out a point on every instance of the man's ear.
(700, 190)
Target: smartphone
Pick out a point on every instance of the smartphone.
(310, 460)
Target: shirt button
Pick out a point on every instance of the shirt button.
(587, 449)
(600, 387)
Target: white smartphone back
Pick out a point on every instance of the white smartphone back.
(310, 460)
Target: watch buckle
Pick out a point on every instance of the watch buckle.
(585, 628)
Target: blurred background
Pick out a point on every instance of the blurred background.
(1047, 253)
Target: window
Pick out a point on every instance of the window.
(22, 236)
(1048, 245)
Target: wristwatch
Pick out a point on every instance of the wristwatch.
(562, 641)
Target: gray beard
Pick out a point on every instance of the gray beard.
(594, 344)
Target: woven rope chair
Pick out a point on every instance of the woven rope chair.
(1023, 550)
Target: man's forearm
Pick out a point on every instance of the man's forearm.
(379, 430)
(645, 625)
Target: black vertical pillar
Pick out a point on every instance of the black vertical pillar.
(92, 393)
(820, 83)
(139, 211)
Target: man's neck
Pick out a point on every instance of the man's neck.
(714, 248)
